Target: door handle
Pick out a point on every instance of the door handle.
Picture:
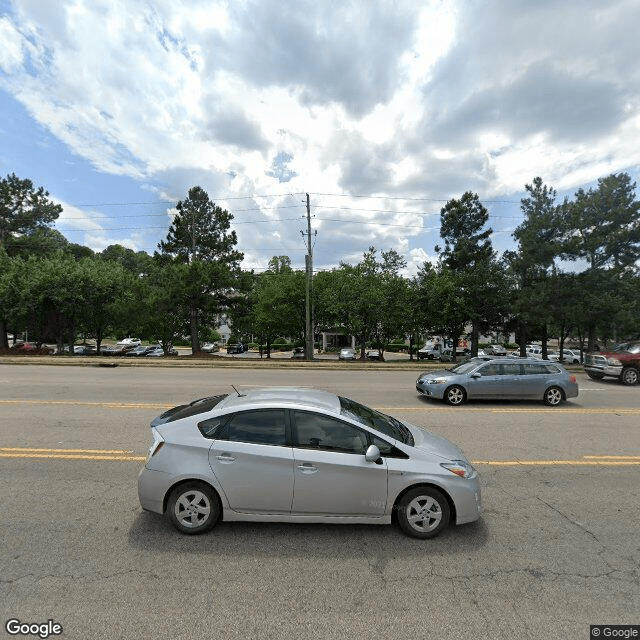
(225, 457)
(307, 468)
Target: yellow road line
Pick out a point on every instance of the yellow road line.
(112, 405)
(68, 456)
(424, 409)
(129, 456)
(547, 410)
(556, 463)
(31, 449)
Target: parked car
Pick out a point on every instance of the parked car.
(347, 354)
(430, 351)
(447, 354)
(239, 456)
(237, 348)
(374, 355)
(622, 362)
(495, 350)
(298, 353)
(506, 378)
(133, 342)
(210, 347)
(569, 356)
(141, 350)
(116, 349)
(158, 352)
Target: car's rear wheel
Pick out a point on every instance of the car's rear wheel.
(553, 396)
(629, 376)
(455, 395)
(423, 512)
(595, 376)
(193, 508)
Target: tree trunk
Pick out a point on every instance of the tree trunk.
(193, 321)
(4, 343)
(475, 339)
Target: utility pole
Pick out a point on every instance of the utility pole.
(309, 266)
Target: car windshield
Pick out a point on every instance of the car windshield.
(630, 347)
(465, 366)
(376, 420)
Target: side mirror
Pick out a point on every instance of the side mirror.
(475, 375)
(373, 454)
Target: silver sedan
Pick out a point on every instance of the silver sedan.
(303, 455)
(506, 378)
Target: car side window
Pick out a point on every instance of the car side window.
(491, 369)
(387, 450)
(316, 431)
(511, 370)
(264, 426)
(534, 369)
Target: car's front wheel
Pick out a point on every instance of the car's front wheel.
(455, 395)
(629, 376)
(553, 396)
(193, 508)
(423, 512)
(595, 376)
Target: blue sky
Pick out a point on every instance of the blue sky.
(381, 111)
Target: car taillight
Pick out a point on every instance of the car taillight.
(573, 379)
(156, 445)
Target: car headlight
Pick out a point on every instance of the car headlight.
(440, 380)
(614, 361)
(460, 468)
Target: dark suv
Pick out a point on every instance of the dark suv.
(237, 348)
(622, 362)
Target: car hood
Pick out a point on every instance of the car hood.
(427, 441)
(440, 373)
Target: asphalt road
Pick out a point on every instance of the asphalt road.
(557, 548)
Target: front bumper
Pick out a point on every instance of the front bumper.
(604, 369)
(431, 390)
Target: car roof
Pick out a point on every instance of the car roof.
(282, 396)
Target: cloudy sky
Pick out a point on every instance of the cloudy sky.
(380, 110)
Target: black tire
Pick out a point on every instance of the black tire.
(193, 508)
(430, 356)
(455, 395)
(423, 512)
(595, 376)
(629, 376)
(553, 396)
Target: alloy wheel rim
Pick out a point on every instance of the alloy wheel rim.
(424, 513)
(192, 509)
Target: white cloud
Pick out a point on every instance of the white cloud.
(406, 99)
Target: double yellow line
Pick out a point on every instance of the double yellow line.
(124, 455)
(585, 461)
(71, 454)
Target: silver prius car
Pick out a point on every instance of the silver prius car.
(302, 455)
(504, 378)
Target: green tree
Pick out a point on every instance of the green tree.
(602, 227)
(23, 211)
(278, 303)
(468, 260)
(603, 224)
(200, 237)
(539, 239)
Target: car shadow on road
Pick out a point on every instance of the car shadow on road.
(154, 533)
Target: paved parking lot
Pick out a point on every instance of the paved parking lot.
(555, 551)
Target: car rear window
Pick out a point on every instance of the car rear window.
(202, 405)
